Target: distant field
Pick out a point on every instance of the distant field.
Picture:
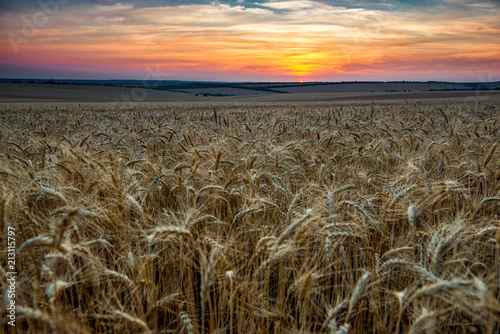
(364, 96)
(232, 93)
(211, 217)
(86, 93)
(223, 91)
(371, 87)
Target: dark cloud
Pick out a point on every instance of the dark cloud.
(410, 4)
(388, 5)
(6, 5)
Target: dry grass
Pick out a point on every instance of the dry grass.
(253, 218)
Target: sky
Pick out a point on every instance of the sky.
(247, 40)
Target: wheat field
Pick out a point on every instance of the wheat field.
(252, 218)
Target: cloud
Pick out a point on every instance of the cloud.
(291, 4)
(287, 38)
(426, 63)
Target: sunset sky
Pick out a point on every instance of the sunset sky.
(246, 40)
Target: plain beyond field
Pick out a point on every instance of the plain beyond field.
(29, 92)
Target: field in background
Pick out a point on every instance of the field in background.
(253, 217)
(26, 92)
(254, 92)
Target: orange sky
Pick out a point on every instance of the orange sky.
(261, 41)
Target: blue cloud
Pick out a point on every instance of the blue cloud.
(389, 5)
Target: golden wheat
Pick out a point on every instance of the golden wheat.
(252, 218)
